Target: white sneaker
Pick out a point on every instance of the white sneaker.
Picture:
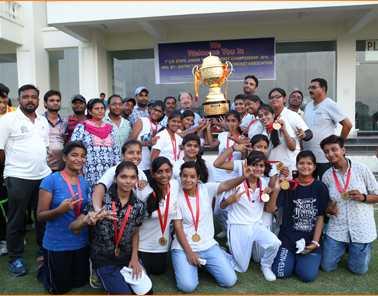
(222, 234)
(268, 273)
(3, 248)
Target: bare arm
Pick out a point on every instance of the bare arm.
(136, 130)
(229, 184)
(347, 126)
(98, 196)
(221, 162)
(192, 257)
(212, 143)
(134, 262)
(155, 153)
(270, 206)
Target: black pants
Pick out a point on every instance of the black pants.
(154, 263)
(20, 192)
(64, 270)
(3, 206)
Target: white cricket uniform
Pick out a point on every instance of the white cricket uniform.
(177, 169)
(164, 144)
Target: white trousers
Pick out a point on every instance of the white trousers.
(241, 239)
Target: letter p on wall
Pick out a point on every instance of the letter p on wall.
(371, 50)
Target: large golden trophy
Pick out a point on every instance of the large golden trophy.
(213, 74)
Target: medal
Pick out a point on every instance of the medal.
(344, 193)
(265, 197)
(296, 183)
(77, 232)
(228, 171)
(118, 237)
(228, 146)
(279, 166)
(285, 185)
(277, 126)
(195, 237)
(247, 187)
(163, 241)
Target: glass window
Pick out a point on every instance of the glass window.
(8, 75)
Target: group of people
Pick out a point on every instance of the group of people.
(113, 192)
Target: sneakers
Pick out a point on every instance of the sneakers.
(17, 267)
(40, 261)
(222, 234)
(3, 248)
(268, 273)
(93, 278)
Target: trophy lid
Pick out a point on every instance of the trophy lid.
(211, 61)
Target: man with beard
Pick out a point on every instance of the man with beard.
(251, 84)
(58, 128)
(79, 105)
(24, 139)
(121, 127)
(140, 110)
(185, 101)
(170, 105)
(128, 108)
(295, 102)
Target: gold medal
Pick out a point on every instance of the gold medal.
(196, 238)
(228, 171)
(162, 241)
(265, 197)
(116, 251)
(279, 166)
(277, 126)
(77, 232)
(285, 185)
(344, 195)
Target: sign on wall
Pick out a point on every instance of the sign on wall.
(371, 50)
(174, 61)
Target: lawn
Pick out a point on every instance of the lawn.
(341, 281)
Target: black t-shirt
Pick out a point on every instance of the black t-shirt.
(301, 208)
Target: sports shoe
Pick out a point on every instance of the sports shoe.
(40, 261)
(29, 227)
(17, 267)
(93, 278)
(3, 248)
(222, 234)
(268, 273)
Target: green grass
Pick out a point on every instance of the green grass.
(341, 281)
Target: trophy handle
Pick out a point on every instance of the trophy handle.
(194, 72)
(232, 68)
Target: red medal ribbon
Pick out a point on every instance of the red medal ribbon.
(190, 207)
(77, 208)
(152, 131)
(248, 127)
(272, 161)
(247, 187)
(163, 226)
(228, 146)
(118, 238)
(9, 109)
(137, 183)
(297, 182)
(270, 126)
(174, 145)
(337, 181)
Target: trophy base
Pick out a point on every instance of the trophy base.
(215, 109)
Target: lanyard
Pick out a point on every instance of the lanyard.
(152, 131)
(190, 207)
(137, 184)
(163, 226)
(337, 181)
(228, 146)
(248, 127)
(77, 208)
(247, 187)
(174, 145)
(118, 238)
(297, 182)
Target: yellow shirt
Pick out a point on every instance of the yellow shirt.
(9, 109)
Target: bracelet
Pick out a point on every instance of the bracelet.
(290, 141)
(233, 149)
(82, 222)
(364, 195)
(316, 243)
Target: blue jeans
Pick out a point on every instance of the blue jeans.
(359, 255)
(217, 264)
(306, 268)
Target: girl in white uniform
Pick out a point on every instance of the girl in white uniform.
(246, 203)
(160, 197)
(191, 145)
(194, 243)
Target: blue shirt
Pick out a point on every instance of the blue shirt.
(58, 237)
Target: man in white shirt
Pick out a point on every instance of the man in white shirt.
(321, 117)
(295, 102)
(24, 138)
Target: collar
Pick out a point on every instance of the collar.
(349, 165)
(136, 107)
(107, 118)
(114, 197)
(60, 119)
(23, 116)
(283, 112)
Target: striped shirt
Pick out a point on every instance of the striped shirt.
(72, 122)
(137, 113)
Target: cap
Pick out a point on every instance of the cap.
(140, 89)
(151, 102)
(140, 286)
(78, 97)
(129, 99)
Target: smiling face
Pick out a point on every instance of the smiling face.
(251, 106)
(249, 86)
(333, 152)
(126, 179)
(295, 100)
(232, 122)
(189, 178)
(306, 166)
(3, 105)
(133, 153)
(115, 106)
(186, 101)
(170, 105)
(78, 106)
(191, 149)
(265, 117)
(156, 113)
(163, 175)
(261, 146)
(240, 106)
(187, 122)
(276, 100)
(75, 159)
(174, 124)
(142, 99)
(128, 107)
(257, 168)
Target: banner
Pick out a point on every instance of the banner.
(174, 61)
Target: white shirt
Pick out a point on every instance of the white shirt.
(177, 169)
(205, 229)
(322, 120)
(25, 144)
(246, 120)
(108, 178)
(221, 175)
(256, 128)
(164, 144)
(238, 167)
(354, 221)
(150, 231)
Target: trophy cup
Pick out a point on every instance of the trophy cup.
(213, 74)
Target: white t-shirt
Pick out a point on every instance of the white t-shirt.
(146, 135)
(108, 178)
(177, 169)
(164, 121)
(25, 145)
(205, 229)
(322, 120)
(150, 231)
(164, 144)
(238, 167)
(246, 120)
(221, 175)
(245, 211)
(256, 128)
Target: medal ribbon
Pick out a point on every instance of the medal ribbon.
(247, 187)
(297, 182)
(248, 127)
(228, 146)
(137, 183)
(118, 238)
(164, 226)
(77, 207)
(174, 145)
(272, 161)
(9, 109)
(337, 181)
(190, 207)
(156, 128)
(270, 126)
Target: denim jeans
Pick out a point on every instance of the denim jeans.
(359, 255)
(217, 264)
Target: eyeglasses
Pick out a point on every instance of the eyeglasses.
(116, 104)
(158, 110)
(275, 97)
(313, 87)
